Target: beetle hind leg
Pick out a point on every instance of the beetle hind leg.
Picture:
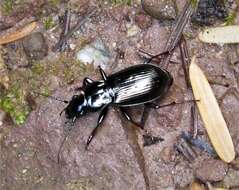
(156, 106)
(128, 118)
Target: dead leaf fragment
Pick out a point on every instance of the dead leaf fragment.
(196, 186)
(210, 187)
(18, 34)
(224, 34)
(211, 114)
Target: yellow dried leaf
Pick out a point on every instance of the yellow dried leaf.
(196, 186)
(224, 34)
(210, 187)
(211, 114)
(18, 34)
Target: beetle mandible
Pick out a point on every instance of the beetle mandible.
(135, 85)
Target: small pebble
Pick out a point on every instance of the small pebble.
(96, 53)
(35, 46)
(132, 31)
(231, 180)
(162, 10)
(212, 170)
(143, 21)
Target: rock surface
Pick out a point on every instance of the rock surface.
(212, 170)
(162, 10)
(231, 179)
(95, 52)
(116, 158)
(109, 163)
(35, 46)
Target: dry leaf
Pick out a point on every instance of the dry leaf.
(224, 34)
(196, 186)
(210, 187)
(18, 34)
(211, 114)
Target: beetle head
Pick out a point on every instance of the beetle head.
(76, 106)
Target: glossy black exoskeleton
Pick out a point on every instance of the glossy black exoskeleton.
(136, 85)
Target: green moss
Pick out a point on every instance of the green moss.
(48, 23)
(230, 19)
(20, 117)
(14, 104)
(194, 3)
(7, 7)
(116, 2)
(38, 69)
(36, 79)
(54, 2)
(80, 184)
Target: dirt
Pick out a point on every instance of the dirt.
(116, 158)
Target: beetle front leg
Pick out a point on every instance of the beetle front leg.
(87, 81)
(99, 122)
(102, 72)
(128, 118)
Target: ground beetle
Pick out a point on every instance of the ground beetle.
(135, 85)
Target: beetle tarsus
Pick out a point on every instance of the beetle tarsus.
(152, 105)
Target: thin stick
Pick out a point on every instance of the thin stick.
(185, 59)
(19, 34)
(66, 28)
(154, 58)
(194, 122)
(74, 29)
(177, 31)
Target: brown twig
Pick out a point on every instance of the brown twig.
(185, 149)
(177, 31)
(194, 122)
(19, 34)
(66, 28)
(74, 29)
(185, 59)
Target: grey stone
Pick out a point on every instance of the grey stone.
(160, 9)
(35, 46)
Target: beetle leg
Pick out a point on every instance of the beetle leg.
(102, 72)
(128, 118)
(155, 106)
(158, 56)
(87, 81)
(99, 122)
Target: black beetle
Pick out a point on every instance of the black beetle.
(135, 85)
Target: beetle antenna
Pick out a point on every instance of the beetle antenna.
(62, 111)
(52, 97)
(67, 133)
